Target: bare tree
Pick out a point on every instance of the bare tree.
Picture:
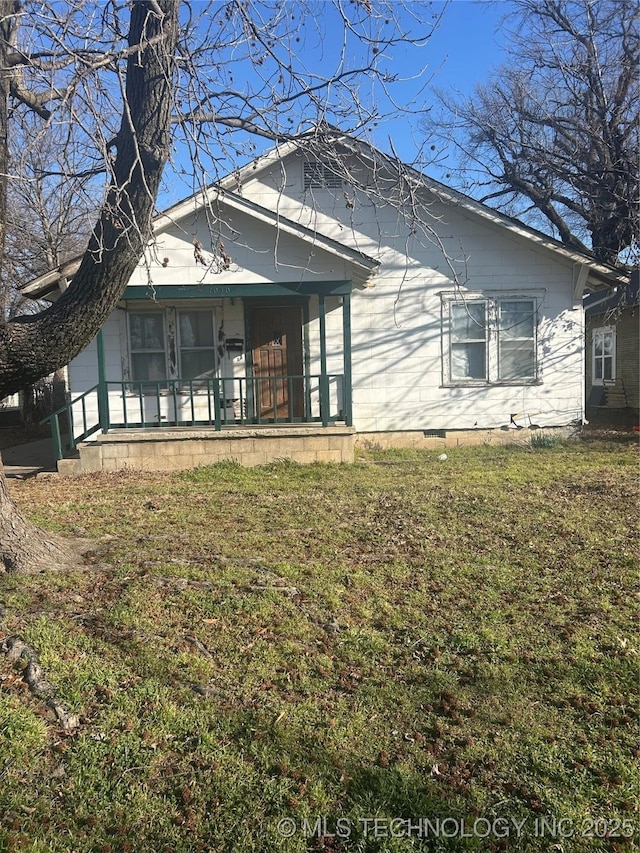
(133, 86)
(555, 133)
(31, 346)
(47, 219)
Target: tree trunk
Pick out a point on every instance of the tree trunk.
(34, 346)
(6, 23)
(24, 548)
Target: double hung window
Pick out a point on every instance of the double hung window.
(196, 335)
(468, 333)
(489, 339)
(516, 340)
(604, 352)
(147, 343)
(172, 344)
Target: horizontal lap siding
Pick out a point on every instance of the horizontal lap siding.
(396, 323)
(83, 370)
(254, 252)
(397, 347)
(404, 334)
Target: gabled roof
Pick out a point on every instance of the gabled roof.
(51, 284)
(604, 273)
(597, 274)
(363, 267)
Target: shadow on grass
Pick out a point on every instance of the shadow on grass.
(388, 810)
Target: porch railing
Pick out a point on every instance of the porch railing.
(74, 412)
(214, 402)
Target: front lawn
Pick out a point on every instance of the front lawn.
(402, 654)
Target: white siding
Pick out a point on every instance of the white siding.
(396, 323)
(397, 340)
(256, 254)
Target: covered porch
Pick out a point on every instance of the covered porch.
(289, 368)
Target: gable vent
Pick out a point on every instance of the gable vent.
(318, 175)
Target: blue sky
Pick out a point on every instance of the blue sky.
(467, 43)
(460, 53)
(465, 47)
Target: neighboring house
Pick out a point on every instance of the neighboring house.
(11, 411)
(612, 325)
(343, 293)
(35, 401)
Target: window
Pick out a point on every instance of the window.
(172, 344)
(516, 340)
(489, 339)
(604, 355)
(468, 340)
(147, 346)
(318, 175)
(197, 344)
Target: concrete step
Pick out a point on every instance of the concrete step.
(616, 401)
(69, 467)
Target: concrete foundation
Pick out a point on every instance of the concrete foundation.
(180, 449)
(419, 440)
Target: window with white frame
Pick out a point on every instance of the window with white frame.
(489, 339)
(468, 340)
(197, 344)
(604, 355)
(516, 339)
(147, 346)
(190, 333)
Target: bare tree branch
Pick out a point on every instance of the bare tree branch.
(559, 126)
(231, 73)
(34, 345)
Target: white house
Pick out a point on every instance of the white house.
(332, 297)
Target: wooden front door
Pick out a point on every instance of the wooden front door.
(276, 333)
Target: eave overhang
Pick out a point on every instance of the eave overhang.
(363, 268)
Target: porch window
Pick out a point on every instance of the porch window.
(489, 339)
(604, 355)
(197, 341)
(147, 344)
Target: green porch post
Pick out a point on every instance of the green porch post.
(347, 403)
(103, 393)
(55, 435)
(324, 380)
(307, 360)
